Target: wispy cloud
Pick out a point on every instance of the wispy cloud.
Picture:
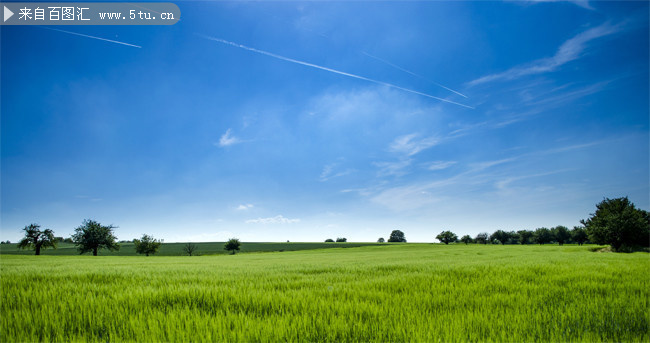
(440, 165)
(287, 59)
(329, 172)
(244, 207)
(581, 3)
(393, 168)
(93, 37)
(570, 50)
(279, 219)
(410, 145)
(228, 139)
(412, 73)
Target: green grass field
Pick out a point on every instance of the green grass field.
(402, 292)
(176, 249)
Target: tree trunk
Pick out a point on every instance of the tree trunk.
(94, 251)
(38, 250)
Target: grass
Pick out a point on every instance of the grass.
(404, 292)
(176, 249)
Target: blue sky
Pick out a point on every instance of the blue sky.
(301, 121)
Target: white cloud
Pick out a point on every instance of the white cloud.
(244, 207)
(581, 3)
(439, 165)
(570, 50)
(330, 173)
(228, 139)
(279, 219)
(393, 168)
(409, 145)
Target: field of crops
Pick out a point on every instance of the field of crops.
(176, 249)
(405, 292)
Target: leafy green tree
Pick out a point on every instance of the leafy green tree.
(329, 240)
(500, 236)
(37, 239)
(525, 236)
(190, 248)
(579, 235)
(397, 236)
(232, 245)
(482, 238)
(561, 234)
(619, 223)
(542, 235)
(381, 240)
(466, 239)
(92, 236)
(447, 237)
(341, 239)
(147, 245)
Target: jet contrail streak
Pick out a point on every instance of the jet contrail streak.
(329, 69)
(412, 73)
(87, 36)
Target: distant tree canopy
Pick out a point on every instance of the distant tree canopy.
(482, 238)
(500, 236)
(542, 236)
(341, 239)
(447, 237)
(619, 223)
(397, 236)
(466, 239)
(525, 236)
(37, 239)
(579, 235)
(147, 245)
(560, 234)
(329, 240)
(232, 245)
(92, 236)
(381, 240)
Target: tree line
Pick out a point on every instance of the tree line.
(616, 222)
(92, 236)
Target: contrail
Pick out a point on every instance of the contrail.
(329, 69)
(412, 73)
(82, 35)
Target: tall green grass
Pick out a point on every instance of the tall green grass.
(410, 292)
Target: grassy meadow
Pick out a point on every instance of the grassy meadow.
(393, 292)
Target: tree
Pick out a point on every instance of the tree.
(525, 236)
(92, 236)
(466, 239)
(542, 235)
(513, 237)
(37, 239)
(232, 245)
(561, 234)
(341, 239)
(619, 223)
(397, 236)
(447, 237)
(500, 236)
(482, 238)
(579, 234)
(329, 240)
(147, 245)
(381, 240)
(190, 248)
